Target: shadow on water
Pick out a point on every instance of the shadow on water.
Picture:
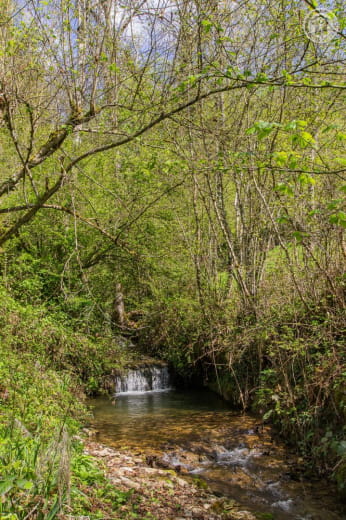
(197, 433)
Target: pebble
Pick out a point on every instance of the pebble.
(130, 483)
(170, 491)
(181, 482)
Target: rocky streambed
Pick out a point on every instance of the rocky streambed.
(162, 493)
(196, 438)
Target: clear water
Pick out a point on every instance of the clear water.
(199, 434)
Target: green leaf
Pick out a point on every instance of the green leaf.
(251, 130)
(341, 160)
(295, 124)
(230, 72)
(25, 484)
(334, 204)
(207, 26)
(303, 139)
(285, 189)
(339, 219)
(341, 136)
(281, 158)
(262, 128)
(328, 128)
(53, 512)
(267, 415)
(306, 179)
(6, 486)
(299, 235)
(261, 77)
(113, 67)
(307, 137)
(282, 219)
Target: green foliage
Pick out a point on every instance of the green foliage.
(50, 477)
(225, 223)
(262, 129)
(44, 471)
(32, 468)
(38, 415)
(174, 332)
(301, 388)
(33, 335)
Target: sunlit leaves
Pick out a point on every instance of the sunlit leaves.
(295, 125)
(306, 180)
(299, 235)
(341, 136)
(262, 129)
(287, 159)
(113, 67)
(189, 82)
(281, 158)
(338, 218)
(341, 161)
(296, 129)
(303, 139)
(207, 26)
(284, 189)
(337, 214)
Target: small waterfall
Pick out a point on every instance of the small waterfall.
(152, 378)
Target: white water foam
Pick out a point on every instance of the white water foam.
(162, 390)
(286, 505)
(143, 380)
(238, 456)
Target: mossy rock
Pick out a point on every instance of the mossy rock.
(200, 483)
(264, 516)
(145, 362)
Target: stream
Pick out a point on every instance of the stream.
(199, 435)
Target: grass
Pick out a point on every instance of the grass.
(45, 369)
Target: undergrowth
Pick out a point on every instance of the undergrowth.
(287, 365)
(45, 369)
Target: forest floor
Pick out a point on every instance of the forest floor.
(158, 493)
